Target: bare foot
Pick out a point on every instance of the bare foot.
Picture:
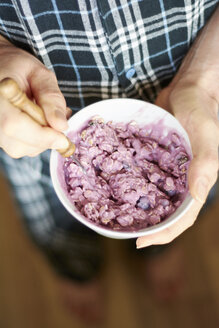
(85, 301)
(165, 273)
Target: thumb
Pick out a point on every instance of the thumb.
(48, 96)
(204, 166)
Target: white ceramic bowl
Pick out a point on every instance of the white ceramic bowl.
(120, 110)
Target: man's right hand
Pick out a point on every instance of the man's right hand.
(19, 134)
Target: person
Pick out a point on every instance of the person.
(70, 54)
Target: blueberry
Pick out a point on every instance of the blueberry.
(143, 203)
(171, 193)
(174, 195)
(97, 168)
(126, 166)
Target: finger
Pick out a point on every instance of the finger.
(199, 117)
(17, 149)
(170, 233)
(19, 126)
(48, 96)
(203, 169)
(69, 112)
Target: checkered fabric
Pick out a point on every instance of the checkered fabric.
(98, 49)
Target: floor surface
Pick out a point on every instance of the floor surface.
(28, 296)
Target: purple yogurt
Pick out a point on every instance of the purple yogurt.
(135, 176)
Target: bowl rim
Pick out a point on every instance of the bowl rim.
(116, 234)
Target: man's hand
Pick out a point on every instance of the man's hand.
(197, 112)
(193, 98)
(19, 134)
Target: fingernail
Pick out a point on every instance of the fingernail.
(68, 110)
(139, 244)
(61, 143)
(62, 119)
(60, 115)
(201, 189)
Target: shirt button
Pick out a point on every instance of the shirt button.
(130, 73)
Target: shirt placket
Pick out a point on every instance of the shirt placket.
(112, 17)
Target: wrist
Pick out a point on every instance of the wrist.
(207, 82)
(6, 47)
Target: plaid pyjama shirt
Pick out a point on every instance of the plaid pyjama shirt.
(98, 49)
